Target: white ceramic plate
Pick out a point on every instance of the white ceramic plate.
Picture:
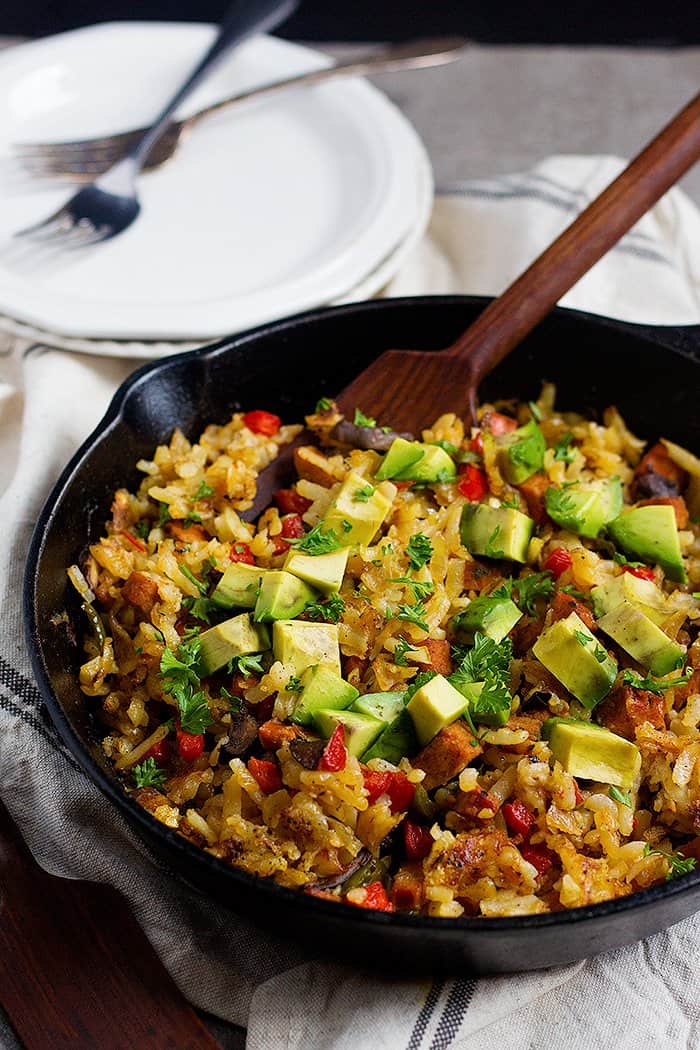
(277, 206)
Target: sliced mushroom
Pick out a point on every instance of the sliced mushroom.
(242, 732)
(307, 752)
(375, 439)
(312, 465)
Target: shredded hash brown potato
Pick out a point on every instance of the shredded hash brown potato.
(483, 818)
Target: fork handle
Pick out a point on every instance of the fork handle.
(242, 20)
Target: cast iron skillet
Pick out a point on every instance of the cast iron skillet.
(650, 373)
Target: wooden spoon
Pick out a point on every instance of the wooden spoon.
(409, 389)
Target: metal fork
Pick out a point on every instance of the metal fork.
(110, 204)
(88, 158)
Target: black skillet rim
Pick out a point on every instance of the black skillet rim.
(112, 788)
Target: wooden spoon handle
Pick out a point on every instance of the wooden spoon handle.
(514, 314)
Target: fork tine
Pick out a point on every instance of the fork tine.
(56, 225)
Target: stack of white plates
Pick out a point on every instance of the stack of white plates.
(309, 197)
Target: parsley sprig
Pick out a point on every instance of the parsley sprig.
(488, 662)
(147, 774)
(563, 452)
(678, 864)
(203, 491)
(413, 614)
(361, 420)
(419, 550)
(422, 589)
(401, 650)
(330, 610)
(181, 679)
(246, 665)
(658, 686)
(318, 541)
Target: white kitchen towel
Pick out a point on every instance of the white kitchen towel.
(482, 233)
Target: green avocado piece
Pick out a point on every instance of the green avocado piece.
(496, 532)
(434, 465)
(491, 615)
(592, 752)
(238, 636)
(361, 731)
(401, 455)
(302, 645)
(521, 452)
(397, 740)
(282, 596)
(322, 688)
(435, 705)
(238, 587)
(650, 534)
(642, 639)
(384, 706)
(359, 510)
(325, 572)
(487, 707)
(586, 507)
(643, 594)
(576, 658)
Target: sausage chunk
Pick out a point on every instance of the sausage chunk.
(626, 708)
(440, 659)
(564, 604)
(656, 475)
(533, 491)
(447, 754)
(142, 592)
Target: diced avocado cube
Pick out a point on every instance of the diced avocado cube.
(397, 741)
(303, 645)
(360, 730)
(487, 707)
(435, 465)
(650, 534)
(521, 452)
(491, 615)
(401, 455)
(325, 572)
(282, 596)
(642, 639)
(496, 532)
(586, 507)
(592, 752)
(435, 705)
(577, 659)
(356, 515)
(384, 706)
(643, 594)
(238, 636)
(322, 688)
(238, 587)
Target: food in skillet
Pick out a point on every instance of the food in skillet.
(460, 675)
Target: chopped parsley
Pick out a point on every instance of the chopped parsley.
(422, 589)
(203, 491)
(361, 420)
(678, 864)
(491, 550)
(600, 654)
(658, 686)
(163, 514)
(530, 588)
(447, 447)
(245, 665)
(331, 610)
(582, 638)
(620, 797)
(362, 495)
(294, 684)
(488, 662)
(419, 550)
(181, 678)
(323, 404)
(413, 614)
(200, 608)
(401, 649)
(570, 589)
(147, 774)
(512, 502)
(418, 682)
(347, 525)
(317, 541)
(234, 702)
(622, 560)
(142, 528)
(201, 586)
(563, 452)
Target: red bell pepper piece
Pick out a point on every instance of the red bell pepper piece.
(473, 483)
(137, 543)
(498, 424)
(401, 791)
(539, 856)
(519, 819)
(292, 527)
(262, 422)
(417, 840)
(642, 572)
(557, 562)
(266, 773)
(189, 745)
(375, 898)
(376, 784)
(290, 502)
(241, 552)
(160, 752)
(334, 754)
